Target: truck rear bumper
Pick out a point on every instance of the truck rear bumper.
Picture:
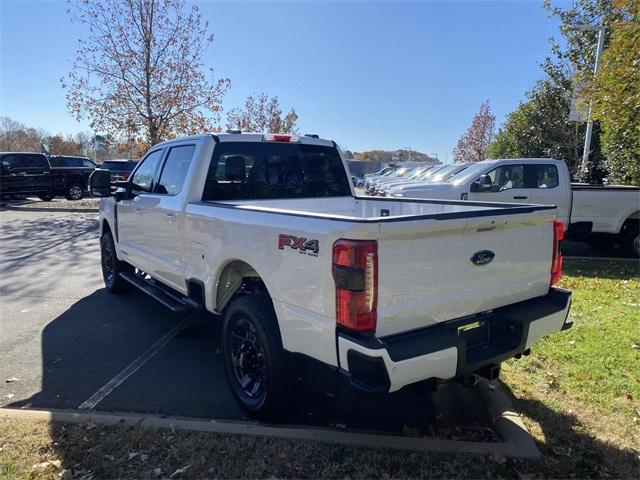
(451, 349)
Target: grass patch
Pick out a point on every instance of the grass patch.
(580, 389)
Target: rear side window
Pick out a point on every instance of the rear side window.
(144, 175)
(546, 176)
(118, 166)
(175, 170)
(261, 171)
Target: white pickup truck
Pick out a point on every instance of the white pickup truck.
(265, 231)
(595, 213)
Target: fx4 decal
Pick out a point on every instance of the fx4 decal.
(304, 246)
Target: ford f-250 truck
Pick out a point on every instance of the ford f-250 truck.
(602, 214)
(265, 231)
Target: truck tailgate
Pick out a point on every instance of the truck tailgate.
(426, 273)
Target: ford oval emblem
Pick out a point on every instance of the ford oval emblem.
(482, 257)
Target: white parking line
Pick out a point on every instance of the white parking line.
(134, 366)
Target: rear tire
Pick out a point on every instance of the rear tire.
(111, 266)
(255, 361)
(74, 192)
(630, 241)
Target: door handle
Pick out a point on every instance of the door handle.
(520, 197)
(138, 210)
(170, 217)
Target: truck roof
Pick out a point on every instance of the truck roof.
(519, 160)
(252, 137)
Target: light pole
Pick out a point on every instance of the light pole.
(584, 168)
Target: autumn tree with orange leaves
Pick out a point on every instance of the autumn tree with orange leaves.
(139, 73)
(472, 146)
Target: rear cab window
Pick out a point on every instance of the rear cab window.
(546, 176)
(262, 171)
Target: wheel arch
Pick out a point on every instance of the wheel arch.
(235, 277)
(632, 218)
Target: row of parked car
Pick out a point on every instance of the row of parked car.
(25, 174)
(604, 215)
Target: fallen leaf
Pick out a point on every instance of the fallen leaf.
(47, 464)
(497, 457)
(9, 396)
(133, 455)
(11, 380)
(180, 471)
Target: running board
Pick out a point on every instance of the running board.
(172, 300)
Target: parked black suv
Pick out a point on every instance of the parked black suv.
(72, 174)
(23, 174)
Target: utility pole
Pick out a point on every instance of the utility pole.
(584, 167)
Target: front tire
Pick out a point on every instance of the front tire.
(74, 192)
(630, 241)
(111, 266)
(254, 359)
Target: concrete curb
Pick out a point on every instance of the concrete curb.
(516, 441)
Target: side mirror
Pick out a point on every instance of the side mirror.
(100, 183)
(482, 184)
(123, 191)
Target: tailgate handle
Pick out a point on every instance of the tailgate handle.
(520, 197)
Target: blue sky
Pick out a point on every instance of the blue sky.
(370, 75)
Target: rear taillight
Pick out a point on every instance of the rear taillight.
(355, 273)
(556, 260)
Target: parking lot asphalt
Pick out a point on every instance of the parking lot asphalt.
(66, 343)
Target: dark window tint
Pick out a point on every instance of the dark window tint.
(65, 162)
(88, 164)
(546, 176)
(34, 161)
(14, 161)
(144, 175)
(260, 170)
(506, 177)
(175, 169)
(118, 166)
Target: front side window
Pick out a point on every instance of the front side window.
(546, 176)
(506, 177)
(175, 170)
(143, 178)
(261, 170)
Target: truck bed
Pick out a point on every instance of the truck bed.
(424, 250)
(369, 209)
